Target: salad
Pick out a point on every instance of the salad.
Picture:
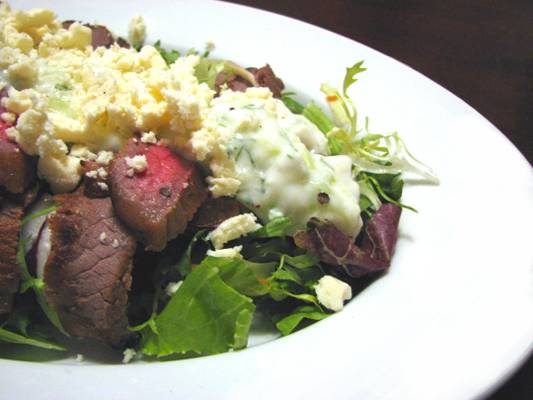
(158, 203)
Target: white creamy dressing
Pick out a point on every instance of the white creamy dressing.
(281, 160)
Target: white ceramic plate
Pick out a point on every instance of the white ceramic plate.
(450, 320)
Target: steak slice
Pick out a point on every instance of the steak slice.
(216, 210)
(17, 170)
(95, 179)
(234, 82)
(10, 217)
(157, 203)
(264, 77)
(87, 274)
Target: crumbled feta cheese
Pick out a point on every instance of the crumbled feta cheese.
(62, 171)
(95, 99)
(233, 228)
(82, 152)
(8, 117)
(137, 163)
(128, 355)
(91, 174)
(103, 186)
(130, 172)
(223, 186)
(103, 237)
(13, 134)
(104, 157)
(172, 288)
(149, 137)
(115, 244)
(102, 173)
(137, 31)
(232, 252)
(332, 292)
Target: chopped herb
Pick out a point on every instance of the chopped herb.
(62, 86)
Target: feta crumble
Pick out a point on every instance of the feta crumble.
(231, 252)
(103, 237)
(233, 228)
(103, 186)
(137, 164)
(104, 157)
(149, 137)
(137, 31)
(128, 355)
(8, 117)
(332, 292)
(102, 173)
(91, 174)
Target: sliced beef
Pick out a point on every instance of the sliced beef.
(10, 217)
(17, 170)
(88, 270)
(25, 199)
(101, 35)
(95, 179)
(157, 203)
(264, 77)
(234, 82)
(215, 210)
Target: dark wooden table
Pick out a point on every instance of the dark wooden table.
(481, 50)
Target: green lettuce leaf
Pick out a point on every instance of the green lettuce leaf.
(315, 114)
(377, 189)
(170, 56)
(207, 70)
(302, 261)
(293, 105)
(184, 265)
(246, 277)
(349, 78)
(289, 323)
(295, 282)
(12, 337)
(17, 329)
(205, 316)
(277, 227)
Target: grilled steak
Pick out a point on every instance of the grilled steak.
(95, 179)
(215, 210)
(264, 77)
(10, 216)
(17, 169)
(157, 202)
(234, 82)
(88, 271)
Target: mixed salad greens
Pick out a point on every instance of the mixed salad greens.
(192, 303)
